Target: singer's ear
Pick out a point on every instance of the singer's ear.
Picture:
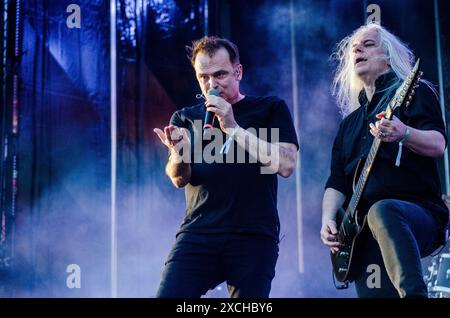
(238, 72)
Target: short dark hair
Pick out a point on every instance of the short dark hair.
(210, 45)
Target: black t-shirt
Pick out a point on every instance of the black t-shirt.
(416, 179)
(234, 197)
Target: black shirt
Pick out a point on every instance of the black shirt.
(416, 179)
(234, 197)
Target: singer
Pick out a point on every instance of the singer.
(231, 228)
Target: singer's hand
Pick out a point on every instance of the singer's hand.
(178, 167)
(173, 136)
(223, 111)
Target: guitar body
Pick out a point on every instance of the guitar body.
(349, 232)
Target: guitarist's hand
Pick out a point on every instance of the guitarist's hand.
(328, 234)
(388, 130)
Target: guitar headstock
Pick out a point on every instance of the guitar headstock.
(406, 91)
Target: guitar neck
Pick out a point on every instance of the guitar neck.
(362, 180)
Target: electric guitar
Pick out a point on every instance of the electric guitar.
(349, 227)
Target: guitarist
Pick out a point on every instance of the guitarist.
(402, 197)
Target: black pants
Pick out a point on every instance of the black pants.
(199, 262)
(389, 263)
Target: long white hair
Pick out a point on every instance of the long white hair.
(347, 85)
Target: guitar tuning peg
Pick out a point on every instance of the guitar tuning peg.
(412, 92)
(407, 104)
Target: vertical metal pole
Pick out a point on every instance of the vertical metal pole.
(295, 105)
(441, 90)
(206, 17)
(113, 85)
(3, 131)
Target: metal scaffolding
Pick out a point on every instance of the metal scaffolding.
(10, 59)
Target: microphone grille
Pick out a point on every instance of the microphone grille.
(214, 92)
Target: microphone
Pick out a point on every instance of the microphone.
(209, 116)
